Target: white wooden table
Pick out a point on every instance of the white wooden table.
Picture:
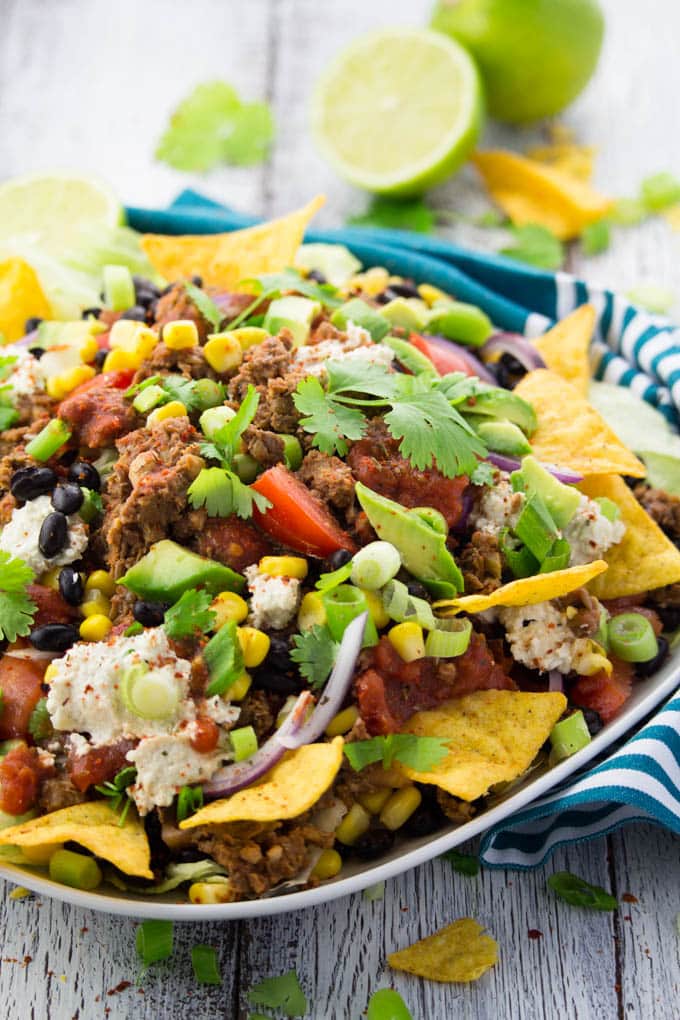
(88, 84)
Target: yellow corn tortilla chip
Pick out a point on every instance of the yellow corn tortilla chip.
(459, 952)
(225, 260)
(526, 591)
(94, 826)
(564, 348)
(292, 787)
(21, 297)
(571, 433)
(493, 737)
(531, 192)
(644, 558)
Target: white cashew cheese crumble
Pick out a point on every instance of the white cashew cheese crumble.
(540, 637)
(273, 600)
(20, 536)
(84, 697)
(356, 345)
(26, 375)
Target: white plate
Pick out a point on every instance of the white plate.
(406, 854)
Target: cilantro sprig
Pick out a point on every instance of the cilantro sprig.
(419, 753)
(390, 214)
(115, 790)
(315, 652)
(190, 615)
(17, 609)
(417, 410)
(205, 305)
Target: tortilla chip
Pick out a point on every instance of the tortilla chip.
(292, 787)
(571, 433)
(94, 826)
(531, 192)
(493, 737)
(21, 298)
(526, 591)
(564, 348)
(566, 156)
(458, 952)
(225, 260)
(644, 558)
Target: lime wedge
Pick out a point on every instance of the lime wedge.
(398, 111)
(48, 211)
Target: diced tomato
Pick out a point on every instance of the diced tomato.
(205, 735)
(605, 694)
(296, 518)
(233, 542)
(98, 411)
(98, 765)
(443, 360)
(20, 682)
(20, 772)
(52, 608)
(105, 380)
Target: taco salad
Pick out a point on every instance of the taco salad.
(299, 558)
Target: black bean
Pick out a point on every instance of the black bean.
(53, 637)
(397, 290)
(141, 283)
(509, 371)
(149, 614)
(37, 352)
(278, 674)
(53, 534)
(317, 276)
(68, 498)
(593, 720)
(87, 312)
(85, 474)
(30, 482)
(136, 313)
(424, 820)
(197, 280)
(669, 616)
(374, 843)
(339, 558)
(651, 666)
(32, 323)
(71, 587)
(416, 589)
(100, 357)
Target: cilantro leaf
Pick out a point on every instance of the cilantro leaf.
(391, 214)
(212, 125)
(227, 438)
(39, 722)
(361, 377)
(659, 191)
(315, 653)
(596, 237)
(464, 864)
(419, 753)
(223, 493)
(189, 615)
(17, 609)
(483, 474)
(536, 245)
(329, 421)
(205, 305)
(283, 993)
(433, 432)
(275, 284)
(178, 387)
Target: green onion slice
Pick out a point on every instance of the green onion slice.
(149, 398)
(49, 440)
(189, 800)
(77, 870)
(154, 941)
(568, 736)
(632, 638)
(149, 694)
(401, 606)
(375, 565)
(344, 604)
(446, 644)
(204, 962)
(119, 288)
(243, 742)
(292, 452)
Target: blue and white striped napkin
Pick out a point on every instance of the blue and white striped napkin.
(641, 780)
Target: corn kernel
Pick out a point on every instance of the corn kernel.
(101, 580)
(121, 361)
(223, 352)
(50, 673)
(407, 640)
(228, 606)
(312, 612)
(372, 282)
(40, 854)
(353, 826)
(342, 722)
(145, 341)
(58, 386)
(249, 336)
(254, 645)
(400, 806)
(180, 334)
(430, 294)
(175, 409)
(375, 801)
(328, 865)
(95, 602)
(123, 335)
(211, 892)
(592, 660)
(240, 687)
(88, 351)
(284, 566)
(50, 579)
(376, 609)
(95, 628)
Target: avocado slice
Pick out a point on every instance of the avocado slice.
(168, 570)
(459, 321)
(409, 313)
(410, 357)
(504, 405)
(560, 500)
(334, 261)
(422, 549)
(293, 313)
(361, 314)
(503, 437)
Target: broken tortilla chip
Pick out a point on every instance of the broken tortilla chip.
(564, 348)
(226, 260)
(292, 787)
(644, 558)
(459, 952)
(94, 825)
(493, 737)
(525, 591)
(531, 192)
(21, 298)
(571, 433)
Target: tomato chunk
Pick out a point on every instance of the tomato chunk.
(21, 685)
(444, 361)
(234, 542)
(52, 608)
(296, 518)
(99, 764)
(19, 780)
(205, 735)
(605, 694)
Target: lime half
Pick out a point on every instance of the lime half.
(48, 211)
(398, 111)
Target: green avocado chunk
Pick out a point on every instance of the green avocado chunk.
(560, 500)
(459, 321)
(504, 437)
(168, 570)
(293, 313)
(409, 313)
(361, 314)
(422, 549)
(504, 405)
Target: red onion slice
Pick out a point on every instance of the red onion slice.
(335, 690)
(555, 681)
(516, 345)
(512, 464)
(28, 340)
(474, 363)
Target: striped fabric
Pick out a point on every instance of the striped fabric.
(641, 780)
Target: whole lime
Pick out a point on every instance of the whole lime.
(535, 56)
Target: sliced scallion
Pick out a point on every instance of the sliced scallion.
(292, 452)
(77, 870)
(149, 398)
(568, 736)
(375, 565)
(149, 694)
(154, 941)
(189, 800)
(224, 659)
(632, 638)
(446, 644)
(49, 440)
(119, 288)
(243, 742)
(208, 393)
(343, 604)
